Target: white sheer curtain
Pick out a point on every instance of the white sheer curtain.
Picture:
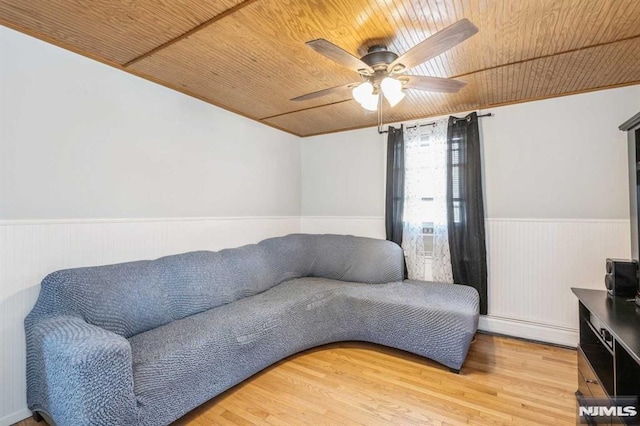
(425, 201)
(414, 187)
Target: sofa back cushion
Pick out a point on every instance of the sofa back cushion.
(355, 259)
(130, 298)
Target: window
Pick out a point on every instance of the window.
(424, 208)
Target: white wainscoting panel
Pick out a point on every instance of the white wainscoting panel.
(364, 226)
(31, 249)
(533, 263)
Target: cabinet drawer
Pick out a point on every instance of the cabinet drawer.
(587, 379)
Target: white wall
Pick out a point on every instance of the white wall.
(555, 175)
(89, 155)
(556, 158)
(559, 158)
(343, 173)
(342, 177)
(81, 139)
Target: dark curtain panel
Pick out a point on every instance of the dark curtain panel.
(465, 208)
(395, 185)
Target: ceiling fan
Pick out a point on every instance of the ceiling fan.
(380, 66)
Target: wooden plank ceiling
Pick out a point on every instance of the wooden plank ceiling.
(249, 56)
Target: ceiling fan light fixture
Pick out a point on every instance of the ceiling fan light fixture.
(365, 96)
(362, 92)
(392, 90)
(371, 103)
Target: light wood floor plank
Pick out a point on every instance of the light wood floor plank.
(503, 382)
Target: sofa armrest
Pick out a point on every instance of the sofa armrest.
(79, 374)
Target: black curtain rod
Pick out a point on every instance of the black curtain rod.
(433, 123)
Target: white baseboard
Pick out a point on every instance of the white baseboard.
(15, 417)
(529, 330)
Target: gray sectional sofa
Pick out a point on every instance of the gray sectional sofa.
(143, 343)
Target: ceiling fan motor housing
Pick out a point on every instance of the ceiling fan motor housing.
(378, 57)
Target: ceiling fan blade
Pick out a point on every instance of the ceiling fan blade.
(339, 55)
(432, 84)
(433, 46)
(326, 92)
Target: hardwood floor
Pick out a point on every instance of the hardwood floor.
(503, 382)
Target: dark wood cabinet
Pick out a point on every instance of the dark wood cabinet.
(609, 347)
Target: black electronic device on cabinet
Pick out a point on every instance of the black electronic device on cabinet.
(621, 278)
